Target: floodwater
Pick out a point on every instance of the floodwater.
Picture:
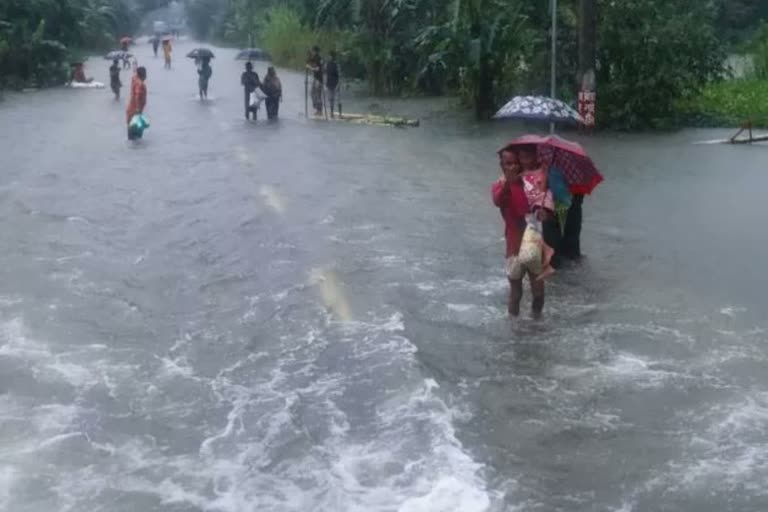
(310, 316)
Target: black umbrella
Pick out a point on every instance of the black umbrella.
(200, 53)
(253, 54)
(117, 55)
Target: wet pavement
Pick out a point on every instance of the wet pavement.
(232, 316)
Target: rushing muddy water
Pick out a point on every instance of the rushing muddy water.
(306, 316)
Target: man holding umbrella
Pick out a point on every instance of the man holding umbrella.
(204, 73)
(250, 82)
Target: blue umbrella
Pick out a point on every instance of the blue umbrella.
(253, 54)
(538, 108)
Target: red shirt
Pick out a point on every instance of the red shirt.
(138, 100)
(511, 200)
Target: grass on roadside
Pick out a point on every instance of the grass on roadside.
(288, 40)
(729, 103)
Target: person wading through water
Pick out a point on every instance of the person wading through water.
(509, 196)
(250, 82)
(274, 91)
(332, 76)
(114, 78)
(315, 65)
(138, 100)
(167, 50)
(204, 73)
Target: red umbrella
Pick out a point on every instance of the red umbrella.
(569, 157)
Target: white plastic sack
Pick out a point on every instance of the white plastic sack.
(257, 97)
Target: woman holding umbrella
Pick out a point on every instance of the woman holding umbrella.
(204, 73)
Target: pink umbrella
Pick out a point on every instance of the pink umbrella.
(569, 157)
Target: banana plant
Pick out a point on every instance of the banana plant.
(475, 45)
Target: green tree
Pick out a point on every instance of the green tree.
(653, 53)
(36, 35)
(484, 49)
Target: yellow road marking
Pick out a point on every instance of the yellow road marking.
(272, 198)
(331, 293)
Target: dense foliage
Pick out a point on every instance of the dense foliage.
(729, 103)
(39, 37)
(652, 55)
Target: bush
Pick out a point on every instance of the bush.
(288, 39)
(729, 103)
(654, 53)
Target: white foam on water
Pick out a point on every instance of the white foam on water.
(623, 368)
(488, 288)
(727, 451)
(389, 260)
(461, 308)
(732, 311)
(288, 443)
(177, 367)
(291, 436)
(54, 418)
(47, 365)
(10, 301)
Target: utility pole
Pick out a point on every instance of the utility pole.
(587, 51)
(553, 69)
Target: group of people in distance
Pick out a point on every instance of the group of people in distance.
(536, 243)
(324, 74)
(167, 49)
(270, 86)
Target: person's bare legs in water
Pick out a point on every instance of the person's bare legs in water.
(516, 296)
(537, 290)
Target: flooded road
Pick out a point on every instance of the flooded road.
(303, 316)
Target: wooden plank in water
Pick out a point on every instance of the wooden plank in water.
(371, 119)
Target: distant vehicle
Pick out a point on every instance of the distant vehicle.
(161, 28)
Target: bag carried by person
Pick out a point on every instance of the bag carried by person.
(137, 125)
(257, 97)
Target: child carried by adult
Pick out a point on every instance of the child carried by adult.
(525, 203)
